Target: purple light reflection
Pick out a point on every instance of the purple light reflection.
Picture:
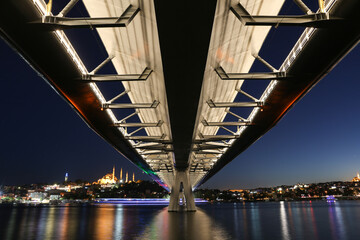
(141, 201)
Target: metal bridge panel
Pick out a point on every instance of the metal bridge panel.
(231, 47)
(281, 96)
(135, 48)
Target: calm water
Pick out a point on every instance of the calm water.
(284, 220)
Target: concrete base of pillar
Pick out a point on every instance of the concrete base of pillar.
(182, 190)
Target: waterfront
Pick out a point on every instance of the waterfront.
(262, 220)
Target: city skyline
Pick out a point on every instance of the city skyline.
(316, 141)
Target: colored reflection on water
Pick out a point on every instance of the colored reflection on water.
(277, 220)
(313, 221)
(49, 223)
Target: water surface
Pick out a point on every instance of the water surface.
(277, 220)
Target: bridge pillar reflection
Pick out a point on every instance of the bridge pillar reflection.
(182, 190)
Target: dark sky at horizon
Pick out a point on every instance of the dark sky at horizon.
(318, 140)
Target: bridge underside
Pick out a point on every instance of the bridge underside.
(316, 53)
(179, 69)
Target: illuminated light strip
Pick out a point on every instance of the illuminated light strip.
(41, 6)
(65, 41)
(304, 38)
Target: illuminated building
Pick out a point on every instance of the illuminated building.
(357, 178)
(66, 177)
(37, 196)
(108, 178)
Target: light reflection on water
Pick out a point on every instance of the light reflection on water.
(284, 222)
(278, 220)
(49, 222)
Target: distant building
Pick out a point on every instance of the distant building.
(357, 178)
(108, 178)
(236, 190)
(37, 196)
(54, 197)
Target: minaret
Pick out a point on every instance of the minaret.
(66, 177)
(113, 173)
(126, 180)
(358, 176)
(133, 177)
(120, 175)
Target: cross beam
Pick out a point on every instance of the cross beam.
(310, 20)
(115, 78)
(214, 159)
(148, 138)
(208, 151)
(250, 76)
(162, 148)
(222, 124)
(57, 22)
(213, 104)
(218, 137)
(193, 168)
(123, 124)
(207, 147)
(130, 105)
(150, 158)
(220, 144)
(154, 152)
(159, 161)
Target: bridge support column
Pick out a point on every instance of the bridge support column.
(182, 190)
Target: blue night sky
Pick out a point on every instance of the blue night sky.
(318, 140)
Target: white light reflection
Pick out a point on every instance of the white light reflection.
(23, 224)
(284, 222)
(11, 224)
(340, 221)
(41, 226)
(255, 221)
(297, 217)
(118, 223)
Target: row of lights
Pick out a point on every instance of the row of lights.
(41, 6)
(304, 38)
